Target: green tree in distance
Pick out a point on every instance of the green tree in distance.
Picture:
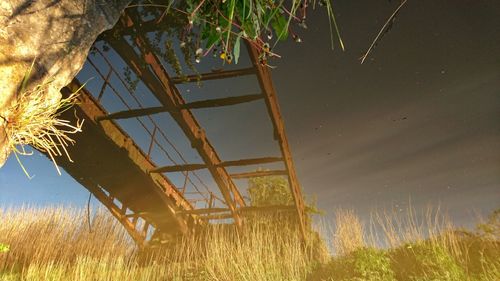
(274, 191)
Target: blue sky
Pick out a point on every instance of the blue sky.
(418, 122)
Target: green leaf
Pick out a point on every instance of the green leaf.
(250, 29)
(27, 76)
(211, 36)
(268, 16)
(236, 49)
(243, 7)
(280, 26)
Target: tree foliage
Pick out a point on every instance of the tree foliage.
(275, 190)
(270, 190)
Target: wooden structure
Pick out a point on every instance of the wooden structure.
(123, 177)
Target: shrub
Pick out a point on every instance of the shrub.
(364, 264)
(425, 261)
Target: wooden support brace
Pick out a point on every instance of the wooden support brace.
(117, 213)
(192, 167)
(214, 75)
(267, 87)
(193, 105)
(221, 102)
(132, 113)
(259, 174)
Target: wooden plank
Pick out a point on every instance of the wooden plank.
(193, 167)
(214, 75)
(179, 168)
(222, 101)
(252, 161)
(259, 174)
(132, 113)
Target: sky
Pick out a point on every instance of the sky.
(418, 123)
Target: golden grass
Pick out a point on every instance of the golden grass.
(349, 232)
(34, 120)
(56, 244)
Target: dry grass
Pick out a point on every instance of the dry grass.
(56, 244)
(34, 120)
(409, 246)
(349, 232)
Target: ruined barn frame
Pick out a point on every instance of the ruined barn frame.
(168, 212)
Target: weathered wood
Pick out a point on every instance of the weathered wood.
(252, 161)
(132, 113)
(107, 140)
(267, 87)
(179, 168)
(214, 75)
(259, 174)
(157, 80)
(221, 102)
(129, 226)
(193, 167)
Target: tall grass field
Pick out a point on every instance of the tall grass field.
(57, 244)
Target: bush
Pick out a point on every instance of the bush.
(364, 264)
(425, 261)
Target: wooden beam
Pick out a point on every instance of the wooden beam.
(267, 87)
(129, 226)
(222, 101)
(204, 211)
(132, 113)
(138, 214)
(193, 167)
(214, 75)
(252, 161)
(270, 208)
(179, 168)
(259, 174)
